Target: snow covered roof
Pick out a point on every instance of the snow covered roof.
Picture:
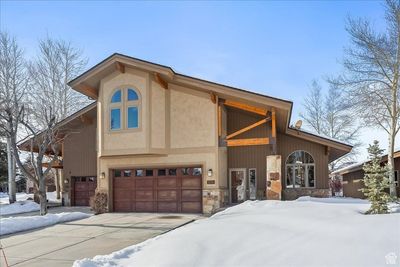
(358, 166)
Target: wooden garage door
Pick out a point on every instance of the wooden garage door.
(158, 190)
(84, 188)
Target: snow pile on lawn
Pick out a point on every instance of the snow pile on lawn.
(19, 207)
(18, 224)
(307, 232)
(51, 197)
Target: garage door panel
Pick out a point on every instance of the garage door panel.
(123, 183)
(81, 186)
(167, 206)
(147, 206)
(122, 194)
(191, 207)
(144, 195)
(167, 195)
(144, 182)
(191, 182)
(191, 195)
(123, 205)
(166, 191)
(83, 189)
(167, 182)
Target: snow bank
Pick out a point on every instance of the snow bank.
(19, 207)
(306, 232)
(51, 197)
(18, 224)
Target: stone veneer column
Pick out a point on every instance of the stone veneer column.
(274, 181)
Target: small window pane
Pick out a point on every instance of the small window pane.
(116, 98)
(132, 95)
(139, 173)
(83, 179)
(172, 172)
(289, 176)
(149, 172)
(115, 122)
(127, 173)
(133, 117)
(162, 172)
(185, 171)
(197, 171)
(311, 180)
(117, 173)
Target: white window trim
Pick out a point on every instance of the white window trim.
(123, 106)
(294, 173)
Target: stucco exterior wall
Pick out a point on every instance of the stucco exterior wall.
(192, 118)
(158, 115)
(124, 141)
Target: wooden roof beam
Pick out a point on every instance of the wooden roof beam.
(245, 129)
(248, 142)
(160, 80)
(87, 90)
(120, 67)
(249, 108)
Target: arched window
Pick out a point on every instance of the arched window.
(115, 111)
(124, 109)
(300, 170)
(132, 109)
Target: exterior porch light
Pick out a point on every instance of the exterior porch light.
(103, 175)
(209, 172)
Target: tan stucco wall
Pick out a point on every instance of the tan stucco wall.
(124, 141)
(192, 118)
(177, 128)
(158, 116)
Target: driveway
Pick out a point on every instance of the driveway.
(62, 244)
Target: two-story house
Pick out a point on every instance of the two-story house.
(159, 141)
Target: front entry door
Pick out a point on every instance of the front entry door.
(237, 179)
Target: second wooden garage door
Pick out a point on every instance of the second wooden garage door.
(158, 190)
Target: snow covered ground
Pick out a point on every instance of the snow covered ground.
(22, 205)
(306, 232)
(18, 224)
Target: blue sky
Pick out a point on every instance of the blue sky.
(275, 48)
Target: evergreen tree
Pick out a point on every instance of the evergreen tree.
(376, 181)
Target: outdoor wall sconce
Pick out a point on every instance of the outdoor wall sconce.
(66, 181)
(102, 175)
(209, 172)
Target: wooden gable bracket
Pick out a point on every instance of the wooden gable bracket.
(248, 128)
(213, 98)
(120, 67)
(327, 150)
(88, 90)
(160, 80)
(249, 108)
(85, 119)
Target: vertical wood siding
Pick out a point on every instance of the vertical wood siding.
(288, 144)
(80, 157)
(255, 156)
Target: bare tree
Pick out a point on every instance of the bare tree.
(313, 106)
(371, 75)
(12, 89)
(57, 63)
(332, 116)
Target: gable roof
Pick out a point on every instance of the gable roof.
(88, 83)
(359, 165)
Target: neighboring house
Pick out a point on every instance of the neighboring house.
(353, 175)
(159, 141)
